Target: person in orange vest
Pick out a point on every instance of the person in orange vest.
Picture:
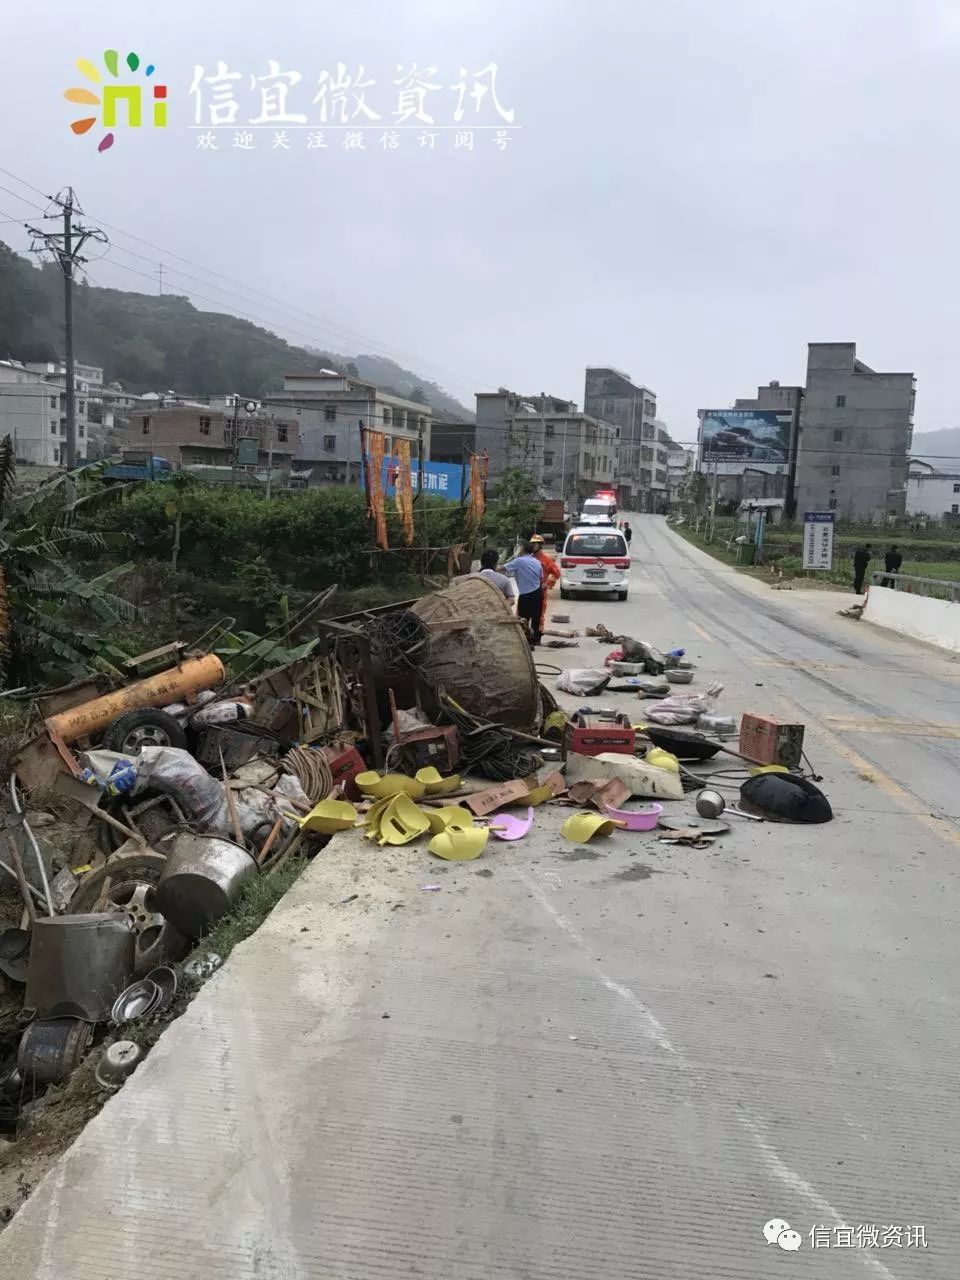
(551, 575)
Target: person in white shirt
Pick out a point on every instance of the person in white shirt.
(488, 570)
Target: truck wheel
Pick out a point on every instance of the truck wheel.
(147, 727)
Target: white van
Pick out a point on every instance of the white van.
(595, 559)
(599, 511)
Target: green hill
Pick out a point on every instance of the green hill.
(158, 343)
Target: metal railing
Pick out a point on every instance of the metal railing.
(936, 588)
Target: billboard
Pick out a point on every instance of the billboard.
(736, 439)
(442, 479)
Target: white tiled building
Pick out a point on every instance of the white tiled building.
(33, 412)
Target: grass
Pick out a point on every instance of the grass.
(782, 549)
(256, 901)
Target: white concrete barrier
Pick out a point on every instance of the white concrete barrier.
(920, 617)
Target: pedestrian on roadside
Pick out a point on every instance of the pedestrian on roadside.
(861, 558)
(489, 559)
(891, 563)
(527, 572)
(551, 576)
(627, 532)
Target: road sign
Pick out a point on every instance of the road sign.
(818, 539)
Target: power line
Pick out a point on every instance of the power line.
(345, 333)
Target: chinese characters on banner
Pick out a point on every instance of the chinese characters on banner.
(818, 539)
(411, 106)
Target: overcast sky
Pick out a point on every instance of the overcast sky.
(692, 189)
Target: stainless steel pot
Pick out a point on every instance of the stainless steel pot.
(202, 880)
(78, 965)
(710, 804)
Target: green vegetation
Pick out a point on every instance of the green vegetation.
(51, 615)
(932, 555)
(513, 508)
(95, 573)
(150, 343)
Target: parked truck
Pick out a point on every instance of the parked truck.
(137, 466)
(552, 520)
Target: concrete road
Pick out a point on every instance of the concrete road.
(570, 1062)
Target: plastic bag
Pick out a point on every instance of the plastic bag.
(222, 713)
(583, 681)
(683, 708)
(175, 772)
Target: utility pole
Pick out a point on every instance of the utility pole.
(65, 247)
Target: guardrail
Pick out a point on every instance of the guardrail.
(935, 588)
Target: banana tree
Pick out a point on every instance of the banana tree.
(49, 611)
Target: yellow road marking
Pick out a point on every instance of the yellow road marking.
(893, 727)
(939, 826)
(704, 635)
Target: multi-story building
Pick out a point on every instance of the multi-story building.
(33, 412)
(191, 433)
(642, 471)
(856, 426)
(330, 408)
(680, 467)
(567, 453)
(933, 491)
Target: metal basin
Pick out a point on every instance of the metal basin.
(78, 965)
(202, 880)
(119, 1060)
(139, 999)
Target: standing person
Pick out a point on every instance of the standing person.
(551, 576)
(891, 563)
(527, 571)
(489, 559)
(627, 532)
(861, 558)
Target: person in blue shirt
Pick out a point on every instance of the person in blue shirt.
(527, 571)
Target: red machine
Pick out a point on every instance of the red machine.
(769, 741)
(345, 763)
(591, 734)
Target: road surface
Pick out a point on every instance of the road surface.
(571, 1062)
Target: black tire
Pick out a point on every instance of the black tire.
(145, 728)
(564, 593)
(621, 595)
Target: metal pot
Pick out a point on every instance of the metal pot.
(78, 965)
(710, 804)
(202, 880)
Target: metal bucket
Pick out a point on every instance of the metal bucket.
(50, 1050)
(202, 880)
(79, 965)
